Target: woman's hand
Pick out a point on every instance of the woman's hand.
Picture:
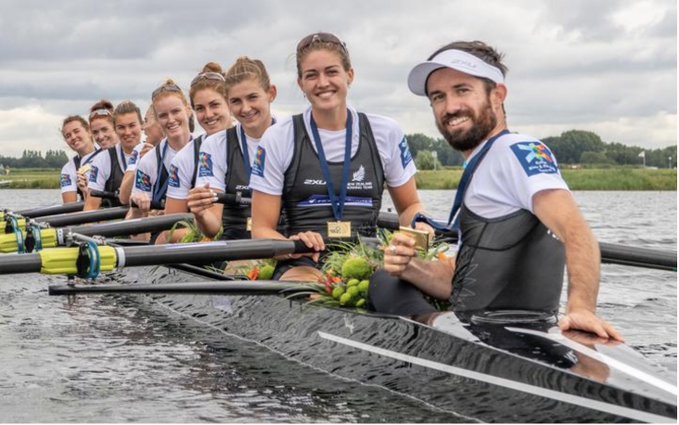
(141, 201)
(82, 184)
(201, 199)
(311, 240)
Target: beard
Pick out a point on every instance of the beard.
(465, 140)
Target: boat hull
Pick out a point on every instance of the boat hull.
(441, 363)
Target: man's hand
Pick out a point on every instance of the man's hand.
(585, 320)
(399, 253)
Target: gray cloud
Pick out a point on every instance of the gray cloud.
(575, 64)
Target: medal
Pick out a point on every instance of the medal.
(339, 229)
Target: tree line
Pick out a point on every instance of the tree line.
(35, 159)
(573, 147)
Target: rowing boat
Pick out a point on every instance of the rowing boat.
(510, 367)
(501, 366)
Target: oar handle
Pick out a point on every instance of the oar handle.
(103, 194)
(155, 205)
(237, 198)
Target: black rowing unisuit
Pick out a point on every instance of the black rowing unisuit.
(305, 191)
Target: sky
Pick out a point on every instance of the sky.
(607, 66)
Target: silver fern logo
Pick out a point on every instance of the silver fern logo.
(359, 175)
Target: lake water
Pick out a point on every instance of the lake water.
(110, 359)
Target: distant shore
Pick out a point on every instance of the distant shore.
(621, 178)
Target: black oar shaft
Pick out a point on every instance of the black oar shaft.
(51, 210)
(208, 288)
(62, 220)
(24, 263)
(127, 227)
(640, 257)
(205, 253)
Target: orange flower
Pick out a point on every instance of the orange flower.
(254, 273)
(442, 256)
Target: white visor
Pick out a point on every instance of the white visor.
(454, 59)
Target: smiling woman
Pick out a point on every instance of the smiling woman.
(327, 166)
(229, 155)
(208, 99)
(108, 168)
(173, 113)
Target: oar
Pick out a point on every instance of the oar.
(67, 219)
(66, 261)
(53, 237)
(638, 257)
(51, 210)
(610, 253)
(234, 287)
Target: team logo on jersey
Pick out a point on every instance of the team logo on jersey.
(535, 158)
(359, 175)
(133, 158)
(94, 172)
(65, 180)
(258, 163)
(142, 181)
(173, 178)
(205, 164)
(406, 157)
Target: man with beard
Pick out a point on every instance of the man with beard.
(517, 220)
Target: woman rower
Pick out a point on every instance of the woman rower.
(76, 133)
(108, 169)
(154, 134)
(326, 167)
(208, 99)
(173, 113)
(226, 158)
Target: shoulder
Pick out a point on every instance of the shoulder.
(527, 152)
(282, 127)
(385, 129)
(214, 142)
(382, 122)
(279, 137)
(69, 167)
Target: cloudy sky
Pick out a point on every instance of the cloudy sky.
(598, 65)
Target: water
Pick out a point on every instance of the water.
(110, 359)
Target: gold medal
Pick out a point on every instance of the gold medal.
(339, 229)
(421, 237)
(248, 225)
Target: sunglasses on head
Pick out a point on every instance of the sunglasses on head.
(214, 76)
(320, 37)
(165, 88)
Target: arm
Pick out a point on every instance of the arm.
(68, 197)
(406, 200)
(92, 203)
(266, 211)
(126, 187)
(557, 210)
(173, 206)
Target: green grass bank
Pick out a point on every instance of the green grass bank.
(577, 179)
